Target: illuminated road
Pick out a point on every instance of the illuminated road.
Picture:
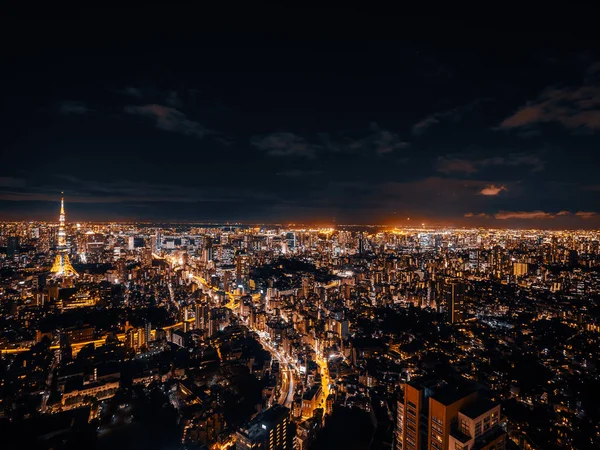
(324, 376)
(211, 290)
(288, 380)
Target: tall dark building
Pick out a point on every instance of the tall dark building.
(454, 297)
(207, 253)
(66, 351)
(361, 245)
(290, 237)
(270, 430)
(201, 314)
(12, 246)
(573, 258)
(147, 332)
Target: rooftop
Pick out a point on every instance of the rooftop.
(481, 406)
(447, 395)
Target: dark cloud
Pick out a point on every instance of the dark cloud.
(296, 173)
(449, 164)
(285, 144)
(586, 214)
(573, 108)
(526, 215)
(129, 90)
(379, 141)
(12, 182)
(536, 215)
(73, 108)
(453, 115)
(123, 191)
(376, 141)
(468, 165)
(470, 215)
(173, 99)
(170, 119)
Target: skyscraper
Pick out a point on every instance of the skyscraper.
(200, 315)
(290, 237)
(62, 266)
(361, 245)
(12, 246)
(147, 332)
(207, 254)
(454, 296)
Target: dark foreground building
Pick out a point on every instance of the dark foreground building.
(270, 430)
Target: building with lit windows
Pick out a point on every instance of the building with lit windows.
(436, 416)
(310, 400)
(520, 269)
(454, 297)
(267, 431)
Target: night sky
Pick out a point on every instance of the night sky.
(281, 116)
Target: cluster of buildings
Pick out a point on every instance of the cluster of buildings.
(449, 339)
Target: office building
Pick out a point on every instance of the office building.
(147, 332)
(520, 269)
(454, 296)
(12, 246)
(269, 430)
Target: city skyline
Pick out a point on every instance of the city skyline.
(415, 226)
(236, 337)
(368, 124)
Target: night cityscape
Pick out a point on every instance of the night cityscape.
(297, 229)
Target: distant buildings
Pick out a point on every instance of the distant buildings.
(319, 318)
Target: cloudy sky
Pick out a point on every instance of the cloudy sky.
(294, 116)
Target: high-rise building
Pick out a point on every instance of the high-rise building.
(62, 266)
(147, 331)
(433, 415)
(241, 267)
(227, 254)
(200, 310)
(361, 245)
(207, 254)
(479, 427)
(270, 430)
(12, 246)
(290, 237)
(158, 241)
(454, 297)
(66, 352)
(146, 257)
(520, 269)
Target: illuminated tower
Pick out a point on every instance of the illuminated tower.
(62, 266)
